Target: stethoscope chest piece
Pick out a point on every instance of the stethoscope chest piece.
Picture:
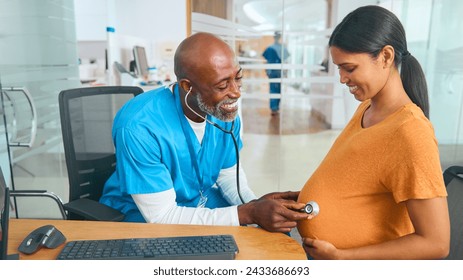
(312, 208)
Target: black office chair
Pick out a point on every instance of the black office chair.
(453, 177)
(87, 116)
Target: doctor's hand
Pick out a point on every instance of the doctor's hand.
(289, 195)
(288, 199)
(320, 249)
(278, 212)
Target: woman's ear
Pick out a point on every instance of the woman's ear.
(388, 55)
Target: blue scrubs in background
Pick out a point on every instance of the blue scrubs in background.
(273, 54)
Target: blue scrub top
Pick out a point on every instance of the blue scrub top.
(153, 140)
(273, 54)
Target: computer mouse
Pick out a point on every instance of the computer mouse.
(46, 236)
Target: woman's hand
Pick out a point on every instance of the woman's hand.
(320, 249)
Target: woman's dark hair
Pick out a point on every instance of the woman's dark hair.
(370, 28)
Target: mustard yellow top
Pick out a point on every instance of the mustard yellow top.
(367, 173)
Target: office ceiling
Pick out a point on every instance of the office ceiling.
(268, 15)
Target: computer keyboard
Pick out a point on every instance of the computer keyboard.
(208, 247)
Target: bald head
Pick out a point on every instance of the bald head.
(195, 53)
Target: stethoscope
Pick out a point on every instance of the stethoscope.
(235, 142)
(311, 208)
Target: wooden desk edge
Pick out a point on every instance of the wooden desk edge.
(253, 243)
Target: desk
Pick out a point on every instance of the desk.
(253, 243)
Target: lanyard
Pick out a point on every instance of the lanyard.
(194, 159)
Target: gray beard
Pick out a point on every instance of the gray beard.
(215, 111)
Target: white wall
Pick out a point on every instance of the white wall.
(160, 23)
(91, 18)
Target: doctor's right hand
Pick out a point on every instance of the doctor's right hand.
(276, 212)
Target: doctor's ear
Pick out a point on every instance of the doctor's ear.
(185, 85)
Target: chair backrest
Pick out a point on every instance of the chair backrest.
(453, 177)
(87, 116)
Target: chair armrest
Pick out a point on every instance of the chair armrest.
(40, 193)
(453, 172)
(93, 210)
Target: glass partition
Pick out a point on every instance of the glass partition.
(39, 59)
(4, 148)
(444, 71)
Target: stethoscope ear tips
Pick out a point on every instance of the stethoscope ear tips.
(312, 208)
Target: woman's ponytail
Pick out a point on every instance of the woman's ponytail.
(414, 82)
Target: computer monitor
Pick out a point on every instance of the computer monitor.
(4, 219)
(141, 62)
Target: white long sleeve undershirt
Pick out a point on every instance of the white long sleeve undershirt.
(162, 208)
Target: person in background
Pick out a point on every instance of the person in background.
(380, 187)
(276, 53)
(177, 149)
